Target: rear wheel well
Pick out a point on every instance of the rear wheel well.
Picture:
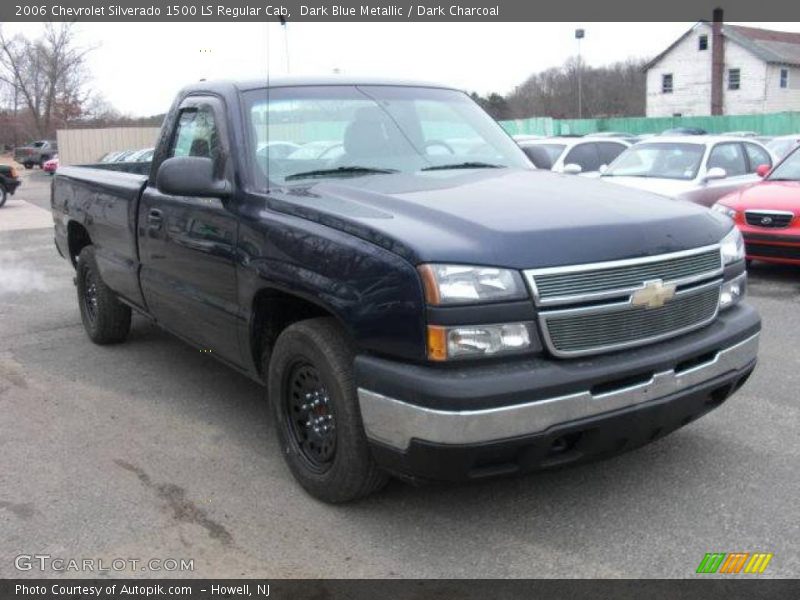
(274, 311)
(77, 239)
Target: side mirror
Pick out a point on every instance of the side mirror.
(572, 169)
(715, 173)
(603, 169)
(763, 170)
(190, 176)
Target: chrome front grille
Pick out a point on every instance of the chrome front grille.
(768, 218)
(568, 285)
(600, 307)
(609, 327)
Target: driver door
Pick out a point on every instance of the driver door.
(188, 244)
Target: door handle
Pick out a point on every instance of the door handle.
(155, 217)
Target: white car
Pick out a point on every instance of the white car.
(781, 146)
(696, 168)
(573, 155)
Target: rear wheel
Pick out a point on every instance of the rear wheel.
(3, 195)
(317, 417)
(105, 318)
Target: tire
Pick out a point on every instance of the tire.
(28, 165)
(3, 195)
(105, 318)
(315, 357)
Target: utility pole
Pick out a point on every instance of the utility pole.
(579, 35)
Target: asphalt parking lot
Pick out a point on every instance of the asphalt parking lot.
(151, 449)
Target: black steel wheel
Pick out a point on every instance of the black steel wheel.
(105, 318)
(309, 416)
(318, 421)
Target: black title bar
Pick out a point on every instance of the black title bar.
(365, 11)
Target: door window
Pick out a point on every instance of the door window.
(728, 156)
(196, 134)
(756, 156)
(609, 151)
(584, 155)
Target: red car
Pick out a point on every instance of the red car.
(51, 165)
(768, 213)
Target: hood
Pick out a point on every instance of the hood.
(503, 217)
(767, 195)
(672, 188)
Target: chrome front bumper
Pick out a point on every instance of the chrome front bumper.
(395, 423)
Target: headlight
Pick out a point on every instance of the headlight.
(732, 247)
(725, 210)
(458, 284)
(448, 343)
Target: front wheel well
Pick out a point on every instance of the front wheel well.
(272, 312)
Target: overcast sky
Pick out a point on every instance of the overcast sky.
(138, 67)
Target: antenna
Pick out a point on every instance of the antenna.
(284, 25)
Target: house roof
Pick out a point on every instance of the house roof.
(770, 46)
(782, 47)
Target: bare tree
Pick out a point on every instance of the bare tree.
(48, 75)
(613, 90)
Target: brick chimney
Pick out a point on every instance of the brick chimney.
(717, 63)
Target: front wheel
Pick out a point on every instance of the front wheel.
(317, 417)
(27, 165)
(105, 318)
(3, 195)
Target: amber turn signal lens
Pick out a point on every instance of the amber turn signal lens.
(437, 343)
(429, 285)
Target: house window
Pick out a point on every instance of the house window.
(734, 76)
(666, 83)
(702, 42)
(784, 78)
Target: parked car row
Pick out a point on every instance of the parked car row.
(142, 155)
(733, 173)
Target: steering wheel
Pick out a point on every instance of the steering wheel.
(441, 143)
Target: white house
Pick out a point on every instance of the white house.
(716, 68)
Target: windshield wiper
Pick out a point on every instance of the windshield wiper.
(464, 165)
(354, 170)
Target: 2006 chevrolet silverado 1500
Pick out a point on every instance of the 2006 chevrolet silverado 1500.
(417, 298)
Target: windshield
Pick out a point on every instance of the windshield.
(668, 161)
(349, 131)
(789, 169)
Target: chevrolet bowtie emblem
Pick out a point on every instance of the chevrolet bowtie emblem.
(654, 294)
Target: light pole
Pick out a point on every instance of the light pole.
(579, 35)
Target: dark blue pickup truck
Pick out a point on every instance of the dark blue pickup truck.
(417, 299)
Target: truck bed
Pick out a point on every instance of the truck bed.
(105, 202)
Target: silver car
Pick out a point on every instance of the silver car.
(696, 168)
